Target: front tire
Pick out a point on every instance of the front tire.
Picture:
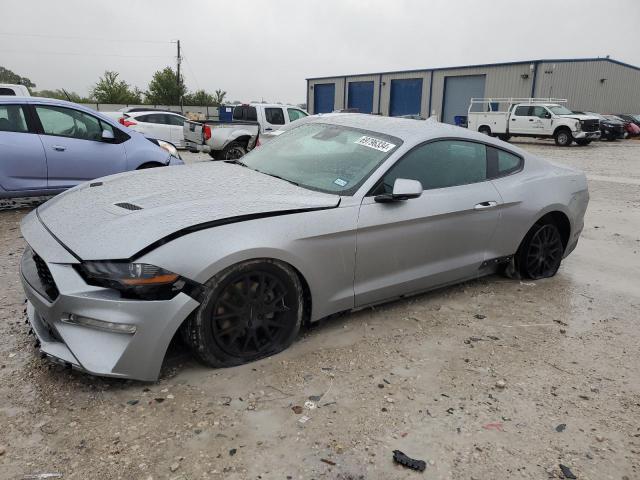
(541, 251)
(250, 311)
(563, 138)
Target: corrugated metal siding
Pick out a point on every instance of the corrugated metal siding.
(579, 83)
(386, 89)
(339, 98)
(501, 81)
(366, 78)
(576, 80)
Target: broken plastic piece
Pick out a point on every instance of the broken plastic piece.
(566, 471)
(409, 462)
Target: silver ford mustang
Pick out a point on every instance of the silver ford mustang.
(337, 213)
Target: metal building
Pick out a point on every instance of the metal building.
(593, 84)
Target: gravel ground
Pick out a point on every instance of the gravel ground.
(490, 379)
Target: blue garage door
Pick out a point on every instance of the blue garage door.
(361, 96)
(324, 97)
(458, 92)
(406, 97)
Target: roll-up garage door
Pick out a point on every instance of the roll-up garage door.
(324, 97)
(406, 97)
(361, 96)
(458, 92)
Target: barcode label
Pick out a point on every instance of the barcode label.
(375, 143)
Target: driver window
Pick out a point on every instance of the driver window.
(440, 164)
(66, 122)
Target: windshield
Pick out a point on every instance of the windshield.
(560, 110)
(329, 158)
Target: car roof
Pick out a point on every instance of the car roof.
(58, 103)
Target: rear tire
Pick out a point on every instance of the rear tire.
(541, 251)
(250, 311)
(485, 130)
(563, 137)
(233, 151)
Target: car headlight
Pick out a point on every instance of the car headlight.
(173, 151)
(137, 280)
(578, 126)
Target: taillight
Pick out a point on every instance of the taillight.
(125, 122)
(207, 132)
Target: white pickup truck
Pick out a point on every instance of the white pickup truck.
(532, 117)
(14, 90)
(227, 140)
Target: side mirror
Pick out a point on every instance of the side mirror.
(547, 115)
(107, 136)
(403, 189)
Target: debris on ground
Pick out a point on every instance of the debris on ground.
(566, 471)
(501, 384)
(408, 462)
(304, 419)
(327, 461)
(297, 409)
(480, 316)
(310, 405)
(232, 452)
(494, 426)
(561, 427)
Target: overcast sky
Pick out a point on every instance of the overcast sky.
(264, 49)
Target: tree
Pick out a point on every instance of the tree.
(218, 97)
(62, 94)
(111, 90)
(164, 88)
(7, 76)
(199, 97)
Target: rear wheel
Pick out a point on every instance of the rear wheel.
(251, 310)
(563, 138)
(541, 251)
(485, 130)
(233, 151)
(582, 142)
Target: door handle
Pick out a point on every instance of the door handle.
(485, 205)
(513, 119)
(531, 119)
(59, 148)
(268, 129)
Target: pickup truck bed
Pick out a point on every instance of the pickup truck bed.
(220, 139)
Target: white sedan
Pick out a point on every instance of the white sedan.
(165, 126)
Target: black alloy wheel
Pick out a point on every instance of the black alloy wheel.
(542, 252)
(252, 310)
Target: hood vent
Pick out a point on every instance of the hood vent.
(128, 206)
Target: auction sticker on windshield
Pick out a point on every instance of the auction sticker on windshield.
(375, 143)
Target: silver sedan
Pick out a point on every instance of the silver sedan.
(339, 212)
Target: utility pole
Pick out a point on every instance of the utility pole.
(178, 61)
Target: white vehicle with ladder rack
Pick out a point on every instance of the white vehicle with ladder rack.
(532, 117)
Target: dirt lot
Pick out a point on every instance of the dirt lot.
(492, 379)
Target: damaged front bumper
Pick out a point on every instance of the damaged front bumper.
(92, 328)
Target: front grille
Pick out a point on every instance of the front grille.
(45, 277)
(590, 125)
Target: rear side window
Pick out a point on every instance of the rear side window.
(274, 116)
(295, 114)
(175, 120)
(7, 91)
(502, 163)
(522, 111)
(12, 119)
(153, 118)
(441, 164)
(246, 113)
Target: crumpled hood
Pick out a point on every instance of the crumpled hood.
(579, 116)
(159, 202)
